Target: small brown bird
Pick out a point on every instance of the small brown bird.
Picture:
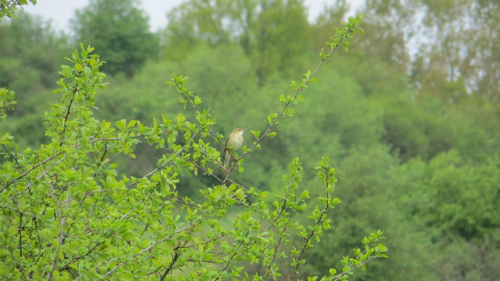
(234, 141)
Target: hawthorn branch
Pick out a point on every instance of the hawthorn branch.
(320, 218)
(285, 106)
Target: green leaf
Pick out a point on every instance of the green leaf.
(180, 119)
(131, 124)
(121, 124)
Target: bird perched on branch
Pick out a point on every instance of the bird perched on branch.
(234, 141)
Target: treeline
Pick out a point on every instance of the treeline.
(409, 116)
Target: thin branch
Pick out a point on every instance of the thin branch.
(231, 259)
(195, 108)
(339, 277)
(285, 106)
(192, 224)
(283, 207)
(164, 164)
(126, 214)
(61, 229)
(18, 265)
(52, 157)
(37, 235)
(29, 171)
(46, 171)
(12, 155)
(173, 261)
(14, 3)
(313, 231)
(199, 167)
(101, 161)
(66, 117)
(267, 229)
(272, 259)
(222, 182)
(210, 241)
(89, 251)
(20, 232)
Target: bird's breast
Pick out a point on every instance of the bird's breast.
(235, 142)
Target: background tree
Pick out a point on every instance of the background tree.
(121, 30)
(270, 32)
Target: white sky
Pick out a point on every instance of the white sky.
(61, 11)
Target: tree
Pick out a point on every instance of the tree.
(66, 214)
(458, 61)
(270, 32)
(120, 30)
(31, 54)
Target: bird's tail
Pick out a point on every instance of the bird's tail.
(227, 158)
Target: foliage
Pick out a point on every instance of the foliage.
(66, 214)
(6, 102)
(120, 30)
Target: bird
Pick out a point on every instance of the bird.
(233, 142)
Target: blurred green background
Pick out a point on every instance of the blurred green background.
(410, 116)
